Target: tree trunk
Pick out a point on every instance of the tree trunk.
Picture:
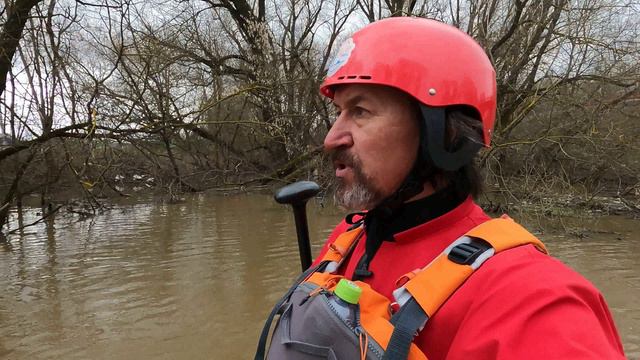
(5, 205)
(11, 34)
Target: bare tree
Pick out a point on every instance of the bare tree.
(225, 91)
(14, 15)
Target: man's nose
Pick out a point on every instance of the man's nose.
(338, 136)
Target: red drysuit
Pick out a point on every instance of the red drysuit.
(520, 304)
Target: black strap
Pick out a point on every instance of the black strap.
(435, 121)
(407, 322)
(381, 225)
(362, 271)
(262, 343)
(351, 219)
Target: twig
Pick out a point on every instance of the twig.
(35, 222)
(81, 213)
(629, 204)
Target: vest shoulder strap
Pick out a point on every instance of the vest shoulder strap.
(435, 283)
(430, 287)
(340, 248)
(503, 233)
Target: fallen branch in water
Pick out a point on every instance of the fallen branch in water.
(629, 204)
(48, 214)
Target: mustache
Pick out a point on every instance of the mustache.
(344, 157)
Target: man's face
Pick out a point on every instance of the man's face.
(373, 143)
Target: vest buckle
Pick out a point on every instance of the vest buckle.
(466, 254)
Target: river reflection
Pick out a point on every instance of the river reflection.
(195, 280)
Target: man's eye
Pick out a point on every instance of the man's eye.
(358, 111)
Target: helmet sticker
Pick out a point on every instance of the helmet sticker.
(341, 57)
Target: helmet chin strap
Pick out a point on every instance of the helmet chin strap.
(412, 185)
(376, 219)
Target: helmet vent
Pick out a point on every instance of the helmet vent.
(363, 77)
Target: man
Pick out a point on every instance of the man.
(415, 101)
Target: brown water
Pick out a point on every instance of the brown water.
(195, 280)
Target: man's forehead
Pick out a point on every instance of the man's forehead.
(353, 93)
(348, 94)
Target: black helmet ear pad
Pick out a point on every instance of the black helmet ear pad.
(432, 141)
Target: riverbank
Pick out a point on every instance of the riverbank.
(494, 201)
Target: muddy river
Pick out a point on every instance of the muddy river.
(195, 280)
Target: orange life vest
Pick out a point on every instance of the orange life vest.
(386, 329)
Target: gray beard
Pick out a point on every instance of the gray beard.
(356, 197)
(362, 194)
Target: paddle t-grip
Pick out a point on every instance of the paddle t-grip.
(297, 195)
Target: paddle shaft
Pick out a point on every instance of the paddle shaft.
(302, 230)
(297, 195)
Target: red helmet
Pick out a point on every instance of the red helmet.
(435, 63)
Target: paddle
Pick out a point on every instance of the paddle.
(297, 195)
